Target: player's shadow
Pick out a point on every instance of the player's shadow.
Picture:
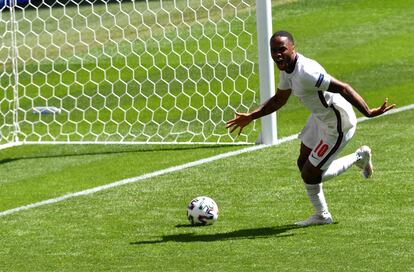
(278, 231)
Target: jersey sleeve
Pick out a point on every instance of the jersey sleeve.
(317, 80)
(283, 82)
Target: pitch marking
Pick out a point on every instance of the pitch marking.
(170, 170)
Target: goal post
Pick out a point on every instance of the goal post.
(167, 71)
(268, 133)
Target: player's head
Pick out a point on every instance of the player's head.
(282, 49)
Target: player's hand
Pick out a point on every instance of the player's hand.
(382, 109)
(240, 121)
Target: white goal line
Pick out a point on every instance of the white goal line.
(170, 170)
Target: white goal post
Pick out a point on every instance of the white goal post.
(166, 71)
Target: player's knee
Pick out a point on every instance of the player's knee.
(300, 162)
(310, 177)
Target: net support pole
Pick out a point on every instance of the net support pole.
(14, 58)
(266, 69)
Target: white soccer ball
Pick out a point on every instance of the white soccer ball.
(202, 210)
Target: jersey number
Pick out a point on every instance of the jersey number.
(321, 148)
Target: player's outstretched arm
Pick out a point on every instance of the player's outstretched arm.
(273, 104)
(356, 100)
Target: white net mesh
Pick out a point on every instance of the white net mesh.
(143, 71)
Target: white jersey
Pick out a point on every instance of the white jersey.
(309, 82)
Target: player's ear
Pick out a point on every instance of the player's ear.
(292, 47)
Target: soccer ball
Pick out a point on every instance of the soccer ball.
(202, 210)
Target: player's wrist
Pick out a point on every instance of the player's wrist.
(255, 115)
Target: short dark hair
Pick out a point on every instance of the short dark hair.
(283, 33)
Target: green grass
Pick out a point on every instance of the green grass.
(142, 226)
(53, 167)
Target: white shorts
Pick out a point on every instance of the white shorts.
(325, 142)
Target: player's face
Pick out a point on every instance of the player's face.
(283, 53)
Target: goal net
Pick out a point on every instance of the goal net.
(166, 71)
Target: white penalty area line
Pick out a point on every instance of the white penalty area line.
(142, 177)
(169, 170)
(396, 110)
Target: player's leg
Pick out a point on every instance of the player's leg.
(361, 158)
(333, 167)
(310, 174)
(324, 145)
(321, 165)
(303, 156)
(314, 188)
(314, 191)
(323, 153)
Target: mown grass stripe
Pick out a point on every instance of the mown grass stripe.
(169, 170)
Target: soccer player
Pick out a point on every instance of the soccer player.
(329, 128)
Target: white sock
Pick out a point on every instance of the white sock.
(339, 166)
(317, 197)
